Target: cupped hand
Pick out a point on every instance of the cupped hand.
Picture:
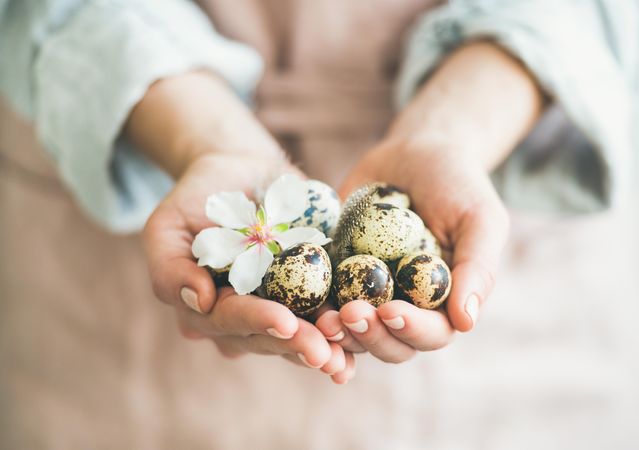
(237, 324)
(452, 193)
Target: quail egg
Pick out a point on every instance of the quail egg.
(299, 278)
(220, 276)
(424, 278)
(387, 193)
(323, 210)
(363, 277)
(429, 243)
(387, 232)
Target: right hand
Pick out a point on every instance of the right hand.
(237, 324)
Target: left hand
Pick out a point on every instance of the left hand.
(465, 119)
(453, 195)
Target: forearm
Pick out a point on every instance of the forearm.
(183, 117)
(480, 101)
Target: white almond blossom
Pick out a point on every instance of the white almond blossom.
(248, 237)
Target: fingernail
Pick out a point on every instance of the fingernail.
(472, 307)
(273, 332)
(361, 326)
(396, 323)
(303, 359)
(336, 338)
(189, 296)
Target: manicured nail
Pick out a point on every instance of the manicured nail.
(303, 359)
(472, 307)
(189, 296)
(273, 332)
(336, 338)
(396, 323)
(361, 326)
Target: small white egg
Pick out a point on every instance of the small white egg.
(323, 210)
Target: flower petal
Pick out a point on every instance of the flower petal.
(231, 210)
(218, 247)
(249, 268)
(300, 234)
(286, 200)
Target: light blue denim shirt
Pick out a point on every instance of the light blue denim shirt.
(77, 67)
(582, 157)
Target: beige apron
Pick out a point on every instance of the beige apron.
(89, 360)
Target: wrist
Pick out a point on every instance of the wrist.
(480, 102)
(185, 117)
(189, 148)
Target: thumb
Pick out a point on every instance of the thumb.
(175, 276)
(481, 236)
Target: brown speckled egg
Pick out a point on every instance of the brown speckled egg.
(299, 278)
(387, 232)
(387, 193)
(424, 278)
(429, 243)
(362, 277)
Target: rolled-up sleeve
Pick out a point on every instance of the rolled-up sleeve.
(89, 63)
(584, 54)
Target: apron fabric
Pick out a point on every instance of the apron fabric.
(89, 359)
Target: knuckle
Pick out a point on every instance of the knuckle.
(396, 358)
(228, 351)
(432, 345)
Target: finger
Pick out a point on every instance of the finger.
(479, 241)
(188, 333)
(337, 361)
(308, 345)
(294, 359)
(242, 316)
(175, 276)
(362, 320)
(228, 347)
(348, 373)
(422, 329)
(332, 328)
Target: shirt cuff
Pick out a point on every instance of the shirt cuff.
(564, 45)
(91, 72)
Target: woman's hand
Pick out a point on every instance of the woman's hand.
(238, 324)
(466, 119)
(459, 205)
(196, 129)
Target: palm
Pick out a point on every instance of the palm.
(460, 207)
(237, 324)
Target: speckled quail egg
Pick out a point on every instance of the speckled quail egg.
(424, 278)
(220, 276)
(387, 232)
(429, 243)
(387, 193)
(362, 277)
(323, 210)
(299, 278)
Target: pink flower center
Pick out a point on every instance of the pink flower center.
(260, 234)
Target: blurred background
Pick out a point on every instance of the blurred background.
(553, 362)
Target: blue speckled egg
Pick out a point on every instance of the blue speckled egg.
(324, 208)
